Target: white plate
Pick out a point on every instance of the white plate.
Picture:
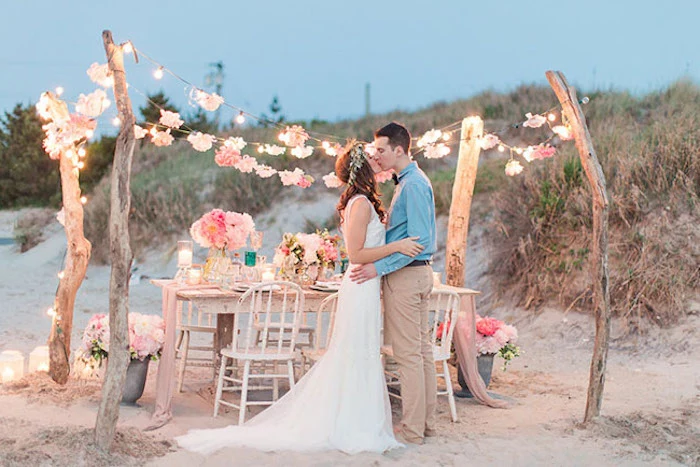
(326, 286)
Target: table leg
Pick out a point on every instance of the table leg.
(224, 331)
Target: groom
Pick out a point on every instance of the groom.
(407, 282)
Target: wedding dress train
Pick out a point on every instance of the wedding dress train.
(342, 402)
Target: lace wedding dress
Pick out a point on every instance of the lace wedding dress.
(342, 402)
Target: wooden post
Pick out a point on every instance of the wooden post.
(462, 193)
(120, 250)
(599, 250)
(77, 258)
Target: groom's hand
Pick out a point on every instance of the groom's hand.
(363, 273)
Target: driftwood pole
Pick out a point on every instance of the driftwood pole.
(77, 259)
(462, 193)
(599, 263)
(120, 253)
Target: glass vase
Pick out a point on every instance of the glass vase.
(217, 262)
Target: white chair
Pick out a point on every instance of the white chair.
(311, 355)
(444, 307)
(277, 328)
(191, 321)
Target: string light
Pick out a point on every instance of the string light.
(240, 118)
(59, 90)
(127, 48)
(261, 149)
(89, 134)
(501, 148)
(61, 274)
(83, 199)
(551, 117)
(325, 145)
(158, 73)
(51, 312)
(82, 152)
(81, 165)
(446, 136)
(116, 121)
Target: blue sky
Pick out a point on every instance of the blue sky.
(318, 55)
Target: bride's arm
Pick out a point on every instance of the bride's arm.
(356, 223)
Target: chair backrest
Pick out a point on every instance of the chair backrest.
(266, 314)
(188, 315)
(445, 307)
(329, 306)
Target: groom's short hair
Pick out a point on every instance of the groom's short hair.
(398, 136)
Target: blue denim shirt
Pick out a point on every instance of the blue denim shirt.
(412, 214)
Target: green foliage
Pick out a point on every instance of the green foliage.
(98, 161)
(27, 175)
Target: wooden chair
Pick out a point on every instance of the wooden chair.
(269, 310)
(191, 321)
(311, 355)
(444, 307)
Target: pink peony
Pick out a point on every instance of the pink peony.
(305, 181)
(246, 164)
(543, 152)
(487, 326)
(227, 156)
(384, 176)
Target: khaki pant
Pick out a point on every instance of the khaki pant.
(406, 295)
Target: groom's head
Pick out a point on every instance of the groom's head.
(393, 146)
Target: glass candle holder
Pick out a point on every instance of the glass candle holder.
(194, 275)
(184, 254)
(267, 272)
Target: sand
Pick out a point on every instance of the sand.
(650, 415)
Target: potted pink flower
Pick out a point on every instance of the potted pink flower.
(146, 339)
(219, 231)
(493, 337)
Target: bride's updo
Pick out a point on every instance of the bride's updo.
(353, 169)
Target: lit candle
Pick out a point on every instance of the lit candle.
(39, 359)
(184, 259)
(12, 364)
(184, 254)
(267, 272)
(8, 374)
(194, 276)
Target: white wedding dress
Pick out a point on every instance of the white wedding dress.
(342, 402)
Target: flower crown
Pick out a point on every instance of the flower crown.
(357, 158)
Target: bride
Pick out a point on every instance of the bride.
(342, 402)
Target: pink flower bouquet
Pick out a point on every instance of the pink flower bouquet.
(303, 249)
(495, 337)
(146, 337)
(219, 229)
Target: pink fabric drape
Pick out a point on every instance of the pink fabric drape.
(465, 347)
(165, 381)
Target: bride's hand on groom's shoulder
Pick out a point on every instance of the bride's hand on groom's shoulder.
(363, 273)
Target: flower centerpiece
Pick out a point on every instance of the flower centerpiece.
(219, 231)
(300, 251)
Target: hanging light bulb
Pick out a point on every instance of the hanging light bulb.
(89, 134)
(326, 145)
(116, 121)
(158, 74)
(61, 275)
(82, 152)
(128, 48)
(59, 90)
(261, 149)
(81, 165)
(446, 136)
(240, 118)
(51, 312)
(585, 100)
(551, 117)
(501, 148)
(83, 199)
(153, 131)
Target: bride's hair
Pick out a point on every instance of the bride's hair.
(353, 169)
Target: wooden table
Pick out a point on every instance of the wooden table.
(223, 303)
